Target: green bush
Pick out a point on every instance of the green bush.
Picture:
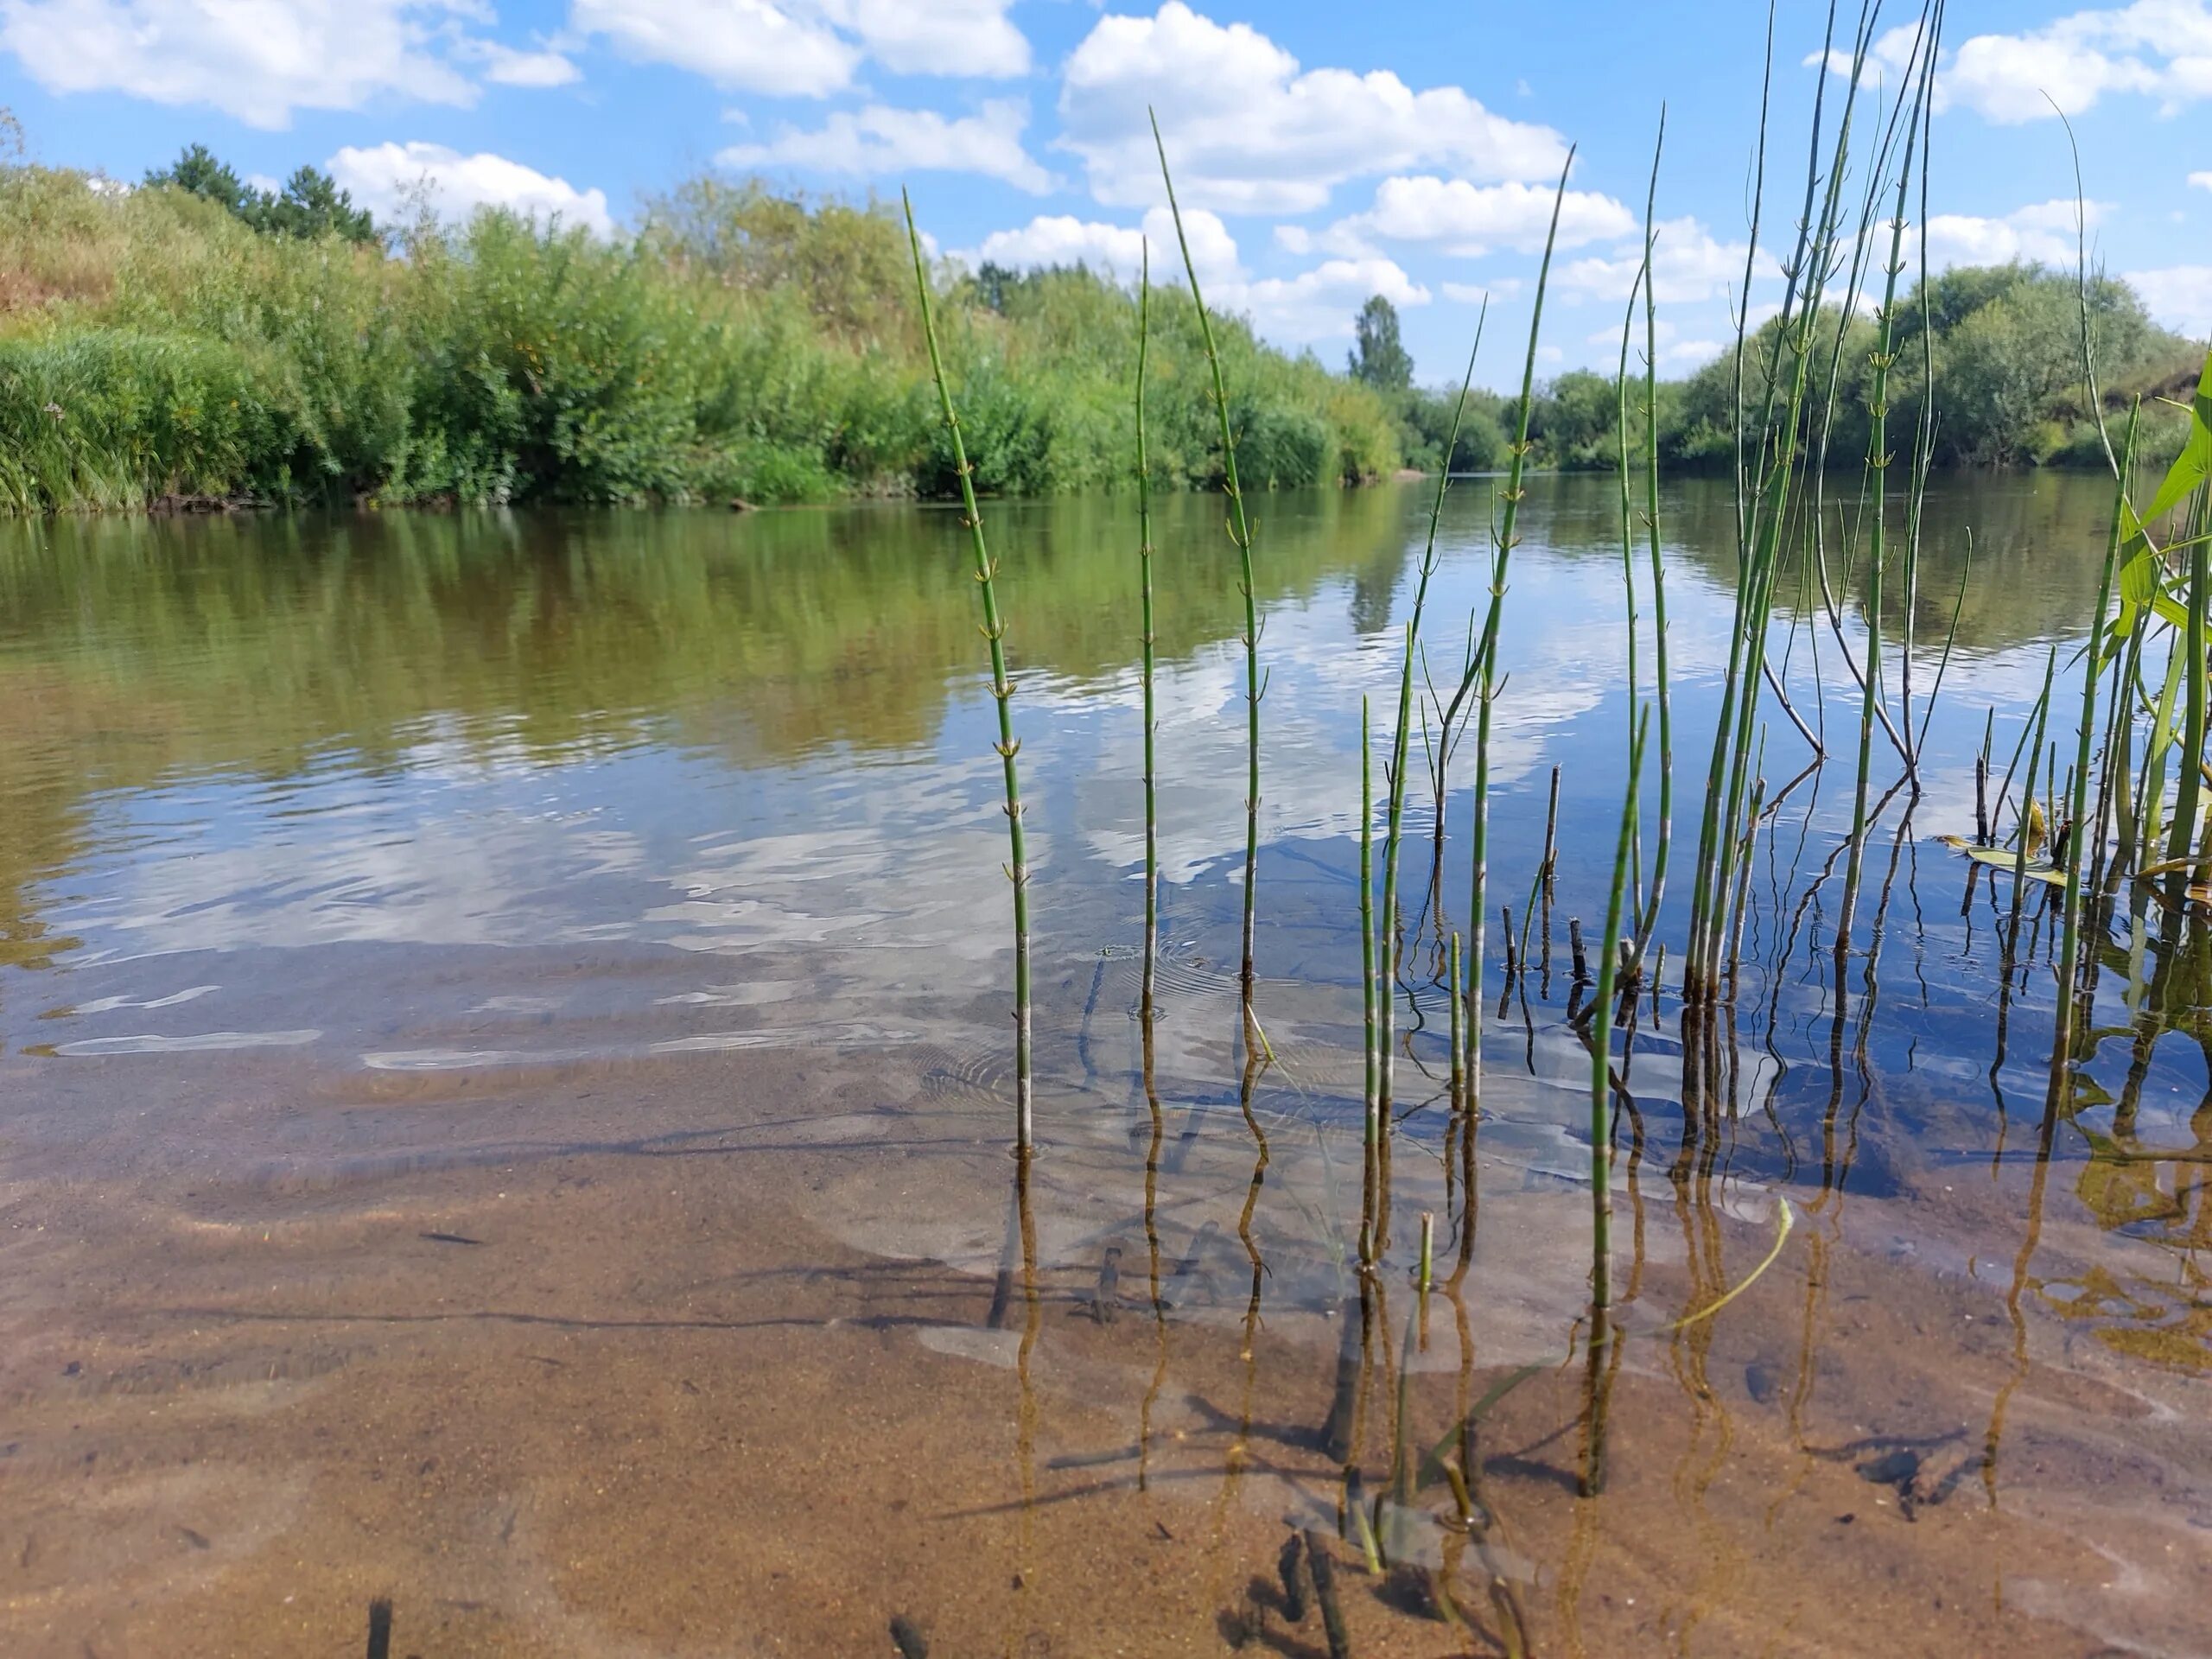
(108, 417)
(741, 344)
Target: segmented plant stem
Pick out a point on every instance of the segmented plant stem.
(1240, 532)
(1601, 1062)
(1878, 466)
(1148, 641)
(2077, 851)
(1664, 844)
(1387, 945)
(1482, 664)
(1002, 689)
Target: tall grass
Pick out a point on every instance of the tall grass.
(738, 344)
(1008, 746)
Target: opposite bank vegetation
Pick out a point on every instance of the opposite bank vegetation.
(163, 344)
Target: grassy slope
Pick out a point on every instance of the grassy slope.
(739, 345)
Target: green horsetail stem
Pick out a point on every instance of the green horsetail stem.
(1147, 641)
(1387, 946)
(1601, 1053)
(2070, 948)
(1482, 665)
(1764, 514)
(1240, 533)
(1649, 920)
(994, 629)
(1878, 466)
(1372, 1130)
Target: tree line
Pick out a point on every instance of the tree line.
(203, 337)
(198, 337)
(2004, 342)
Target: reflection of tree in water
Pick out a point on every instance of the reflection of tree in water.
(131, 649)
(2143, 1192)
(2035, 540)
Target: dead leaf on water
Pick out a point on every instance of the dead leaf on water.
(1998, 859)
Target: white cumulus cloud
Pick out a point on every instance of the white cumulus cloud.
(1320, 304)
(2201, 181)
(512, 67)
(1118, 250)
(2180, 297)
(1687, 264)
(258, 62)
(1248, 131)
(388, 179)
(809, 49)
(878, 140)
(1675, 354)
(1315, 304)
(2160, 49)
(1476, 293)
(2046, 232)
(935, 37)
(1470, 221)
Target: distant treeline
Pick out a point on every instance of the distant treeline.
(198, 338)
(2009, 388)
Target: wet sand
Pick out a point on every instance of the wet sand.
(741, 1354)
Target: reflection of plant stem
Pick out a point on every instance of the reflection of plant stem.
(2029, 1239)
(1151, 1251)
(1032, 1323)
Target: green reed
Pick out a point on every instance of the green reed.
(1008, 746)
(1394, 780)
(1148, 642)
(1240, 532)
(1602, 1012)
(2076, 852)
(1663, 846)
(1480, 678)
(1770, 489)
(1877, 472)
(1371, 1134)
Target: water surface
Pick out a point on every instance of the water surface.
(505, 1104)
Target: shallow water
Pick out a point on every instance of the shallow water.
(505, 1088)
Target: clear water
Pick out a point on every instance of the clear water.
(505, 1090)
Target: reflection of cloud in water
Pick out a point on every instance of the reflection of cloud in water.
(1558, 671)
(203, 1043)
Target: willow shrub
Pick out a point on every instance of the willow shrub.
(741, 345)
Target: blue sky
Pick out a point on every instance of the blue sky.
(1323, 152)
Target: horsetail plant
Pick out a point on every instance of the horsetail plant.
(1240, 533)
(2071, 947)
(1770, 485)
(1877, 469)
(1650, 919)
(1145, 642)
(1601, 1069)
(1394, 780)
(1009, 747)
(1368, 988)
(1480, 678)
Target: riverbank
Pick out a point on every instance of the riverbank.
(156, 348)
